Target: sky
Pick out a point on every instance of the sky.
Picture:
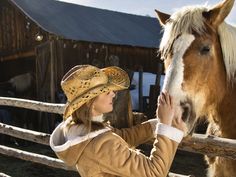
(147, 7)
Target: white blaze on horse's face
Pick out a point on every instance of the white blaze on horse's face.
(175, 72)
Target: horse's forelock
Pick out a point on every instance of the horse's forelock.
(189, 19)
(184, 21)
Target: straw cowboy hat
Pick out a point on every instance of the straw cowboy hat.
(84, 82)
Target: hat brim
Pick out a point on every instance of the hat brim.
(117, 80)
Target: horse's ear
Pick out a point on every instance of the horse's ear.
(218, 13)
(162, 17)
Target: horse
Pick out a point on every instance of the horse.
(199, 53)
(20, 86)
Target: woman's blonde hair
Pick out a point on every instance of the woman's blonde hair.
(83, 115)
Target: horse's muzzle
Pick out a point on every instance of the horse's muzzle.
(188, 116)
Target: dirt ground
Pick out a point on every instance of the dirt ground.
(187, 163)
(21, 168)
(184, 163)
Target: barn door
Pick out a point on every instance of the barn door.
(49, 71)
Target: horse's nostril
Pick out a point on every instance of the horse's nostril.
(186, 111)
(185, 114)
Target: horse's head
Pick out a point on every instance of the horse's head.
(191, 47)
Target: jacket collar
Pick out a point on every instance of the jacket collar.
(99, 118)
(59, 143)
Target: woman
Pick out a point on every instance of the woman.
(83, 139)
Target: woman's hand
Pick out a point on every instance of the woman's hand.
(165, 110)
(178, 121)
(169, 113)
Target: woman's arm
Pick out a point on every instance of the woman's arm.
(138, 134)
(115, 157)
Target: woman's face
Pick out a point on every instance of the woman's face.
(103, 103)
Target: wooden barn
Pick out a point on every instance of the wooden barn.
(41, 39)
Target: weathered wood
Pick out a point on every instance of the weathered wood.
(140, 89)
(121, 116)
(18, 55)
(4, 175)
(210, 145)
(37, 137)
(33, 157)
(34, 105)
(4, 22)
(198, 143)
(52, 79)
(45, 160)
(130, 120)
(178, 175)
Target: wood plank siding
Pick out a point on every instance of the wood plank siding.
(17, 31)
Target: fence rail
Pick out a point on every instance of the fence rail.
(3, 175)
(45, 160)
(33, 105)
(30, 135)
(197, 143)
(29, 156)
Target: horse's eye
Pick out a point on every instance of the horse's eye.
(205, 50)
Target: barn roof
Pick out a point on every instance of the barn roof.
(82, 23)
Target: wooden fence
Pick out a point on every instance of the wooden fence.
(198, 143)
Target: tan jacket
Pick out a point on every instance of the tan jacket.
(107, 152)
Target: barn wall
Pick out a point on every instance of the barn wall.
(52, 58)
(9, 69)
(68, 53)
(17, 32)
(98, 54)
(17, 41)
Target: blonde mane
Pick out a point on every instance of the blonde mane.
(227, 35)
(189, 19)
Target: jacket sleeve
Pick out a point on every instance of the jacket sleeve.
(138, 134)
(114, 156)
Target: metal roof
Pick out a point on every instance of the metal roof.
(82, 23)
